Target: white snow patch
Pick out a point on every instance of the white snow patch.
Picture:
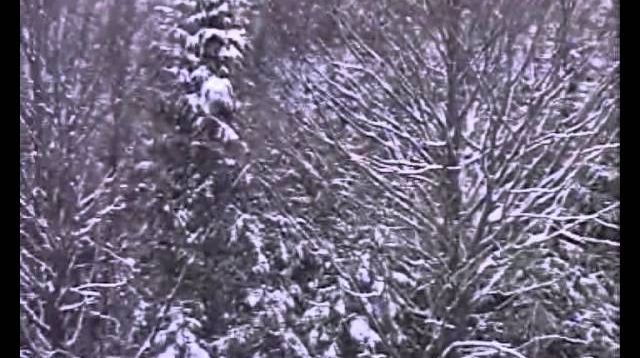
(230, 162)
(230, 52)
(226, 133)
(129, 262)
(295, 289)
(316, 312)
(496, 214)
(262, 265)
(195, 351)
(378, 286)
(254, 297)
(361, 332)
(363, 275)
(313, 337)
(194, 101)
(200, 73)
(332, 352)
(171, 352)
(216, 90)
(340, 307)
(283, 251)
(401, 278)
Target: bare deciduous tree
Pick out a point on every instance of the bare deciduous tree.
(479, 128)
(78, 69)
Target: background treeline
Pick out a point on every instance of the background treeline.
(286, 178)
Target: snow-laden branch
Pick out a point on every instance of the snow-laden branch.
(495, 347)
(551, 337)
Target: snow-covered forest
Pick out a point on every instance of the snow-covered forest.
(319, 178)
